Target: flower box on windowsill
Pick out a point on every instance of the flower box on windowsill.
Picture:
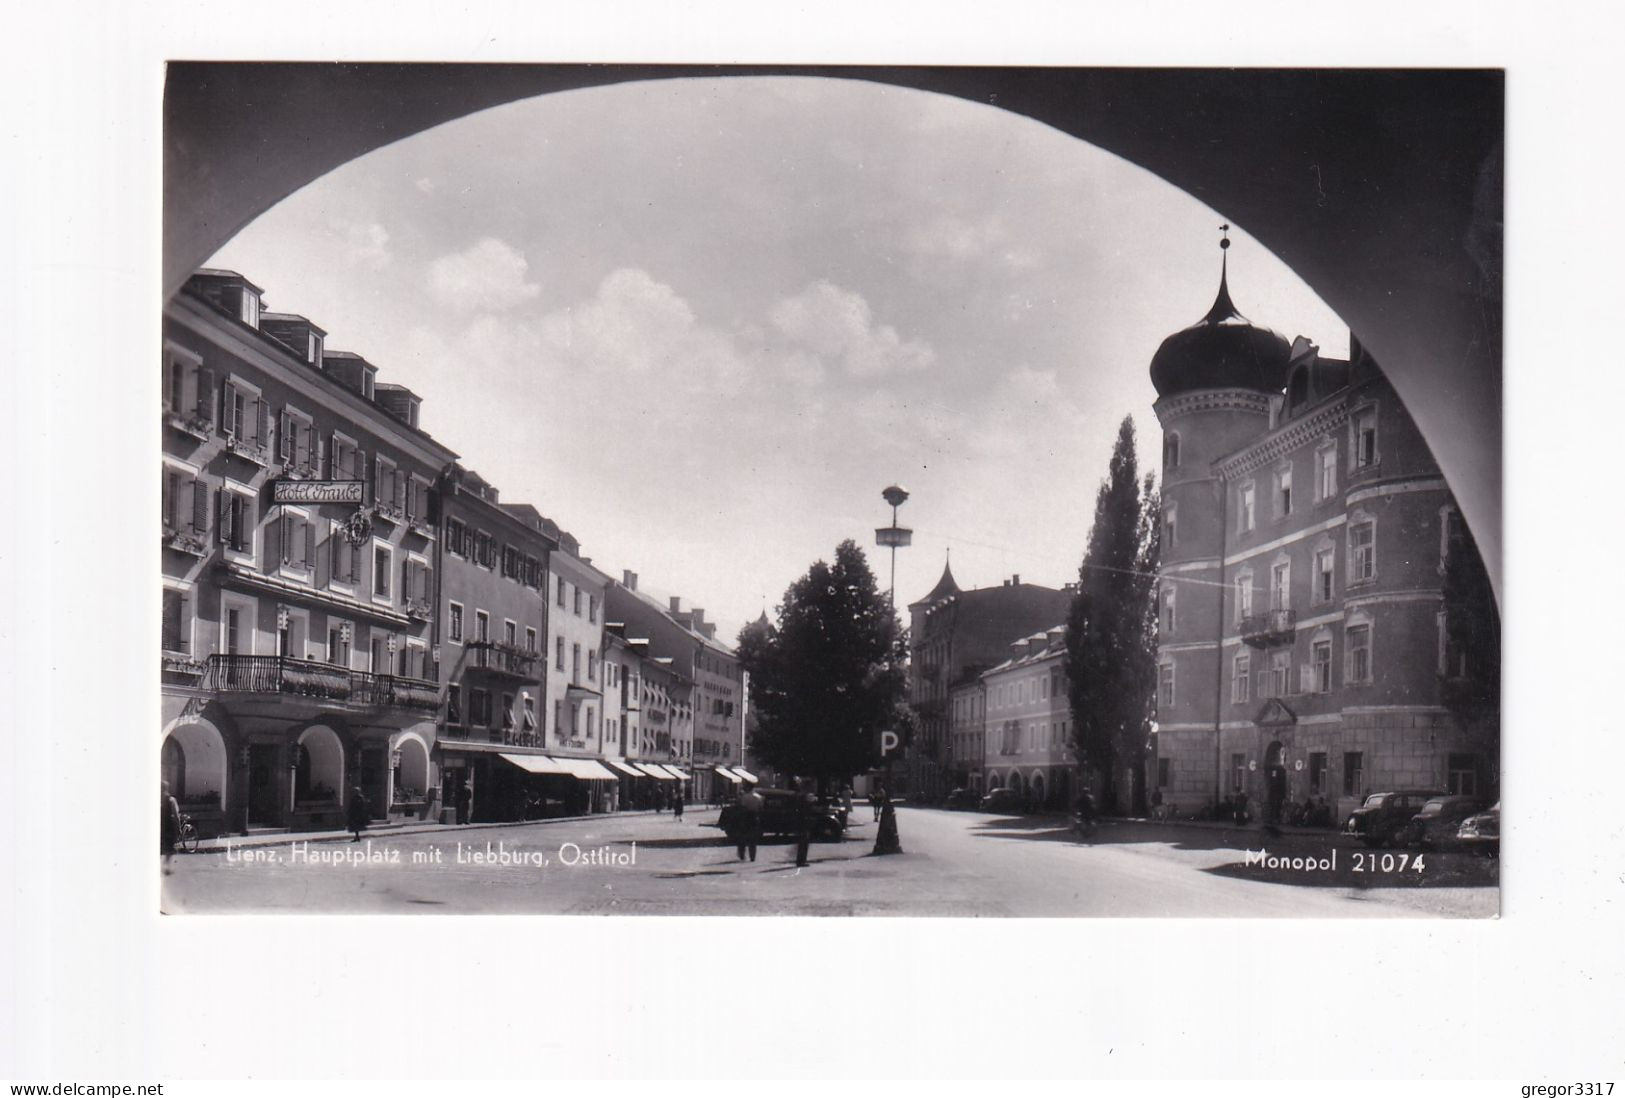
(420, 526)
(185, 541)
(246, 450)
(182, 665)
(417, 609)
(388, 512)
(317, 681)
(190, 423)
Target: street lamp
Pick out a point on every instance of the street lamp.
(894, 535)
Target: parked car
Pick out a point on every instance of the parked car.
(962, 799)
(1436, 824)
(1003, 800)
(1483, 831)
(779, 816)
(1378, 821)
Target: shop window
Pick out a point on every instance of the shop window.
(1462, 775)
(1317, 773)
(1353, 773)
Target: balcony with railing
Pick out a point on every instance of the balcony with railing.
(502, 659)
(318, 682)
(1269, 628)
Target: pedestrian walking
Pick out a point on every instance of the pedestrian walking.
(748, 830)
(169, 826)
(357, 814)
(804, 811)
(660, 801)
(874, 802)
(677, 803)
(465, 801)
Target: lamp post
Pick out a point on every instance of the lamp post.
(893, 536)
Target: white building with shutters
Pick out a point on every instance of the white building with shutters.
(298, 648)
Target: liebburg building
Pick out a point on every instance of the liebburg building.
(1303, 622)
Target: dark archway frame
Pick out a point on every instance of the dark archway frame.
(1382, 189)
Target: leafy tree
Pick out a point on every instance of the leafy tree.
(830, 675)
(1111, 628)
(1472, 678)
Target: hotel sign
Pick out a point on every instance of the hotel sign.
(318, 491)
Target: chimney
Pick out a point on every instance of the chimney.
(697, 616)
(629, 579)
(1015, 580)
(676, 605)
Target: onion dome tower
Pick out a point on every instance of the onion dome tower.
(1223, 350)
(1215, 381)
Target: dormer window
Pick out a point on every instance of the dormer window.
(248, 307)
(366, 384)
(313, 353)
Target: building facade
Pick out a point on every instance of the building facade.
(967, 732)
(298, 661)
(952, 631)
(1028, 725)
(492, 625)
(1303, 618)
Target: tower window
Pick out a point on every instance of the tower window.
(1170, 452)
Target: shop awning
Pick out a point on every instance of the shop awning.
(724, 772)
(625, 768)
(675, 771)
(747, 775)
(588, 770)
(654, 772)
(536, 764)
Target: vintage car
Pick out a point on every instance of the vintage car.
(780, 815)
(1483, 831)
(962, 799)
(1436, 824)
(1007, 801)
(1379, 820)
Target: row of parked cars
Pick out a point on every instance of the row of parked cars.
(1427, 819)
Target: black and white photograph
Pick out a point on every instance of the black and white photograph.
(804, 545)
(729, 492)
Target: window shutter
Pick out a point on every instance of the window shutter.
(425, 577)
(223, 511)
(282, 450)
(332, 462)
(263, 426)
(200, 507)
(400, 489)
(310, 544)
(1306, 678)
(228, 399)
(360, 462)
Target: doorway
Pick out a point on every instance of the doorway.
(264, 807)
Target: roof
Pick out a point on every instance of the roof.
(944, 588)
(1223, 350)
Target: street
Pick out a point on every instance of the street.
(954, 864)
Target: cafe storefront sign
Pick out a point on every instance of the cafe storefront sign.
(318, 491)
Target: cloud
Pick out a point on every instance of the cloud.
(837, 325)
(366, 243)
(488, 277)
(949, 236)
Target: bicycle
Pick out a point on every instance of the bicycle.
(189, 839)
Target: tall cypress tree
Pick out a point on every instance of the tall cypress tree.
(830, 675)
(1111, 628)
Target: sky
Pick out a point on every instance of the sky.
(703, 323)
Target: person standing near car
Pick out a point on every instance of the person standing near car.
(749, 829)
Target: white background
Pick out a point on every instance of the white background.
(103, 987)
